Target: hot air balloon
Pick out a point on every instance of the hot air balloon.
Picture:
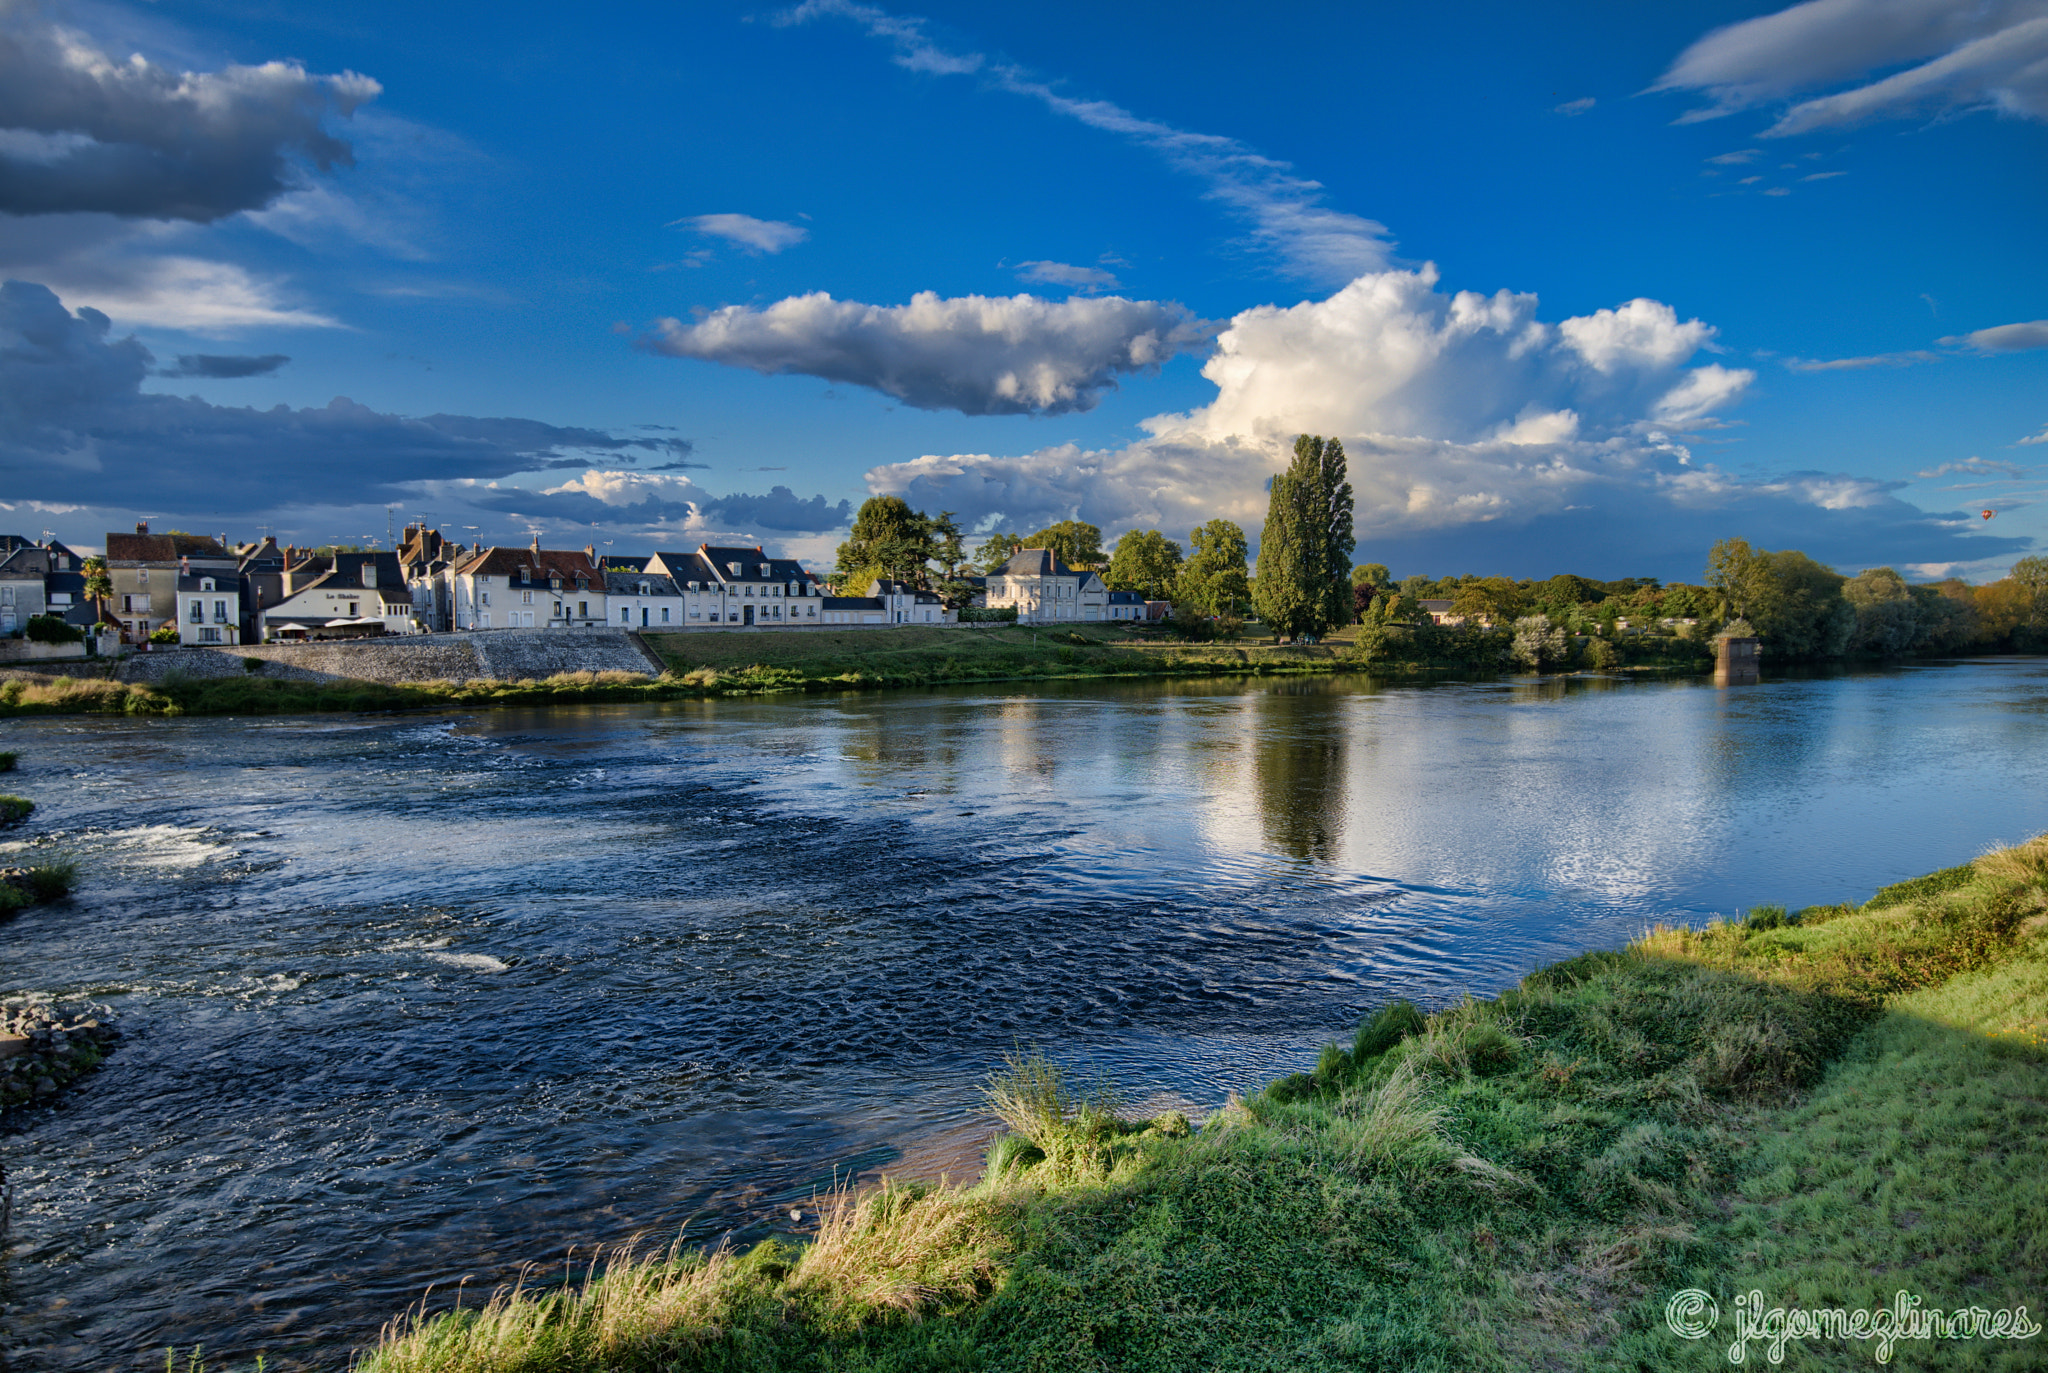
(1989, 513)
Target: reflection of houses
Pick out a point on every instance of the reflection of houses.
(1045, 590)
(210, 607)
(741, 586)
(145, 569)
(528, 588)
(345, 595)
(642, 600)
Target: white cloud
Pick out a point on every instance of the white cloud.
(1066, 274)
(981, 355)
(1286, 212)
(1902, 359)
(2005, 338)
(1457, 408)
(755, 235)
(174, 292)
(1975, 467)
(1574, 107)
(1736, 158)
(2041, 437)
(1987, 54)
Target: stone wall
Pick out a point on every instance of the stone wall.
(503, 655)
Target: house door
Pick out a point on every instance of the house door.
(749, 615)
(643, 617)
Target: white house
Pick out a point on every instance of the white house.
(209, 608)
(741, 586)
(643, 600)
(343, 593)
(522, 588)
(1045, 590)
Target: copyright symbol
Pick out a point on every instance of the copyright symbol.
(1691, 1314)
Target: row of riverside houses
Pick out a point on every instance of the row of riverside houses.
(457, 587)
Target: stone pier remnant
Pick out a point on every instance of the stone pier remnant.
(1735, 655)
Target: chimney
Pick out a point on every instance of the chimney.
(590, 551)
(536, 545)
(142, 526)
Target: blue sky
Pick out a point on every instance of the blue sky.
(1582, 288)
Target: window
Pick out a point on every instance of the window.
(525, 597)
(220, 612)
(664, 614)
(625, 615)
(209, 636)
(484, 598)
(206, 583)
(352, 609)
(198, 612)
(6, 595)
(142, 577)
(750, 591)
(582, 610)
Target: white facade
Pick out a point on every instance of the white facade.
(1045, 590)
(209, 609)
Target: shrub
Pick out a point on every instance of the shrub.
(8, 760)
(48, 629)
(13, 808)
(165, 634)
(48, 881)
(252, 664)
(982, 615)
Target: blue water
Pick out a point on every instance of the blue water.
(416, 1000)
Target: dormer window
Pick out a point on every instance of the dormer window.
(643, 588)
(733, 568)
(765, 569)
(206, 583)
(525, 575)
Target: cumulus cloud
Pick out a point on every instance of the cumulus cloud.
(1989, 54)
(2041, 437)
(2005, 338)
(980, 355)
(755, 235)
(75, 424)
(84, 131)
(1289, 221)
(1469, 421)
(217, 367)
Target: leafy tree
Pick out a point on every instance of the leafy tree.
(1494, 599)
(889, 539)
(1145, 561)
(995, 550)
(1075, 542)
(1215, 577)
(1370, 574)
(1795, 604)
(2029, 577)
(1538, 644)
(947, 547)
(1304, 582)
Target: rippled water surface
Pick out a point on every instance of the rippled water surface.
(413, 1000)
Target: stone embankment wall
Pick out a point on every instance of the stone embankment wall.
(502, 655)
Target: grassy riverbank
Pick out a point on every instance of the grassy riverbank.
(1827, 1106)
(736, 663)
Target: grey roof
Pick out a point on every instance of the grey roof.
(627, 581)
(1036, 562)
(1126, 598)
(873, 603)
(223, 582)
(711, 563)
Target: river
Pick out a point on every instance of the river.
(413, 1000)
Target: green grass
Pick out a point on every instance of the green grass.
(8, 759)
(13, 808)
(45, 882)
(1823, 1106)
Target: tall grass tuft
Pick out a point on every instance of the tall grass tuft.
(13, 808)
(8, 759)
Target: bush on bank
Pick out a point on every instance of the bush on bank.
(1503, 1184)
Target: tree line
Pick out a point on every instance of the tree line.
(1306, 585)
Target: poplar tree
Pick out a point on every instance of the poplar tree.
(1304, 580)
